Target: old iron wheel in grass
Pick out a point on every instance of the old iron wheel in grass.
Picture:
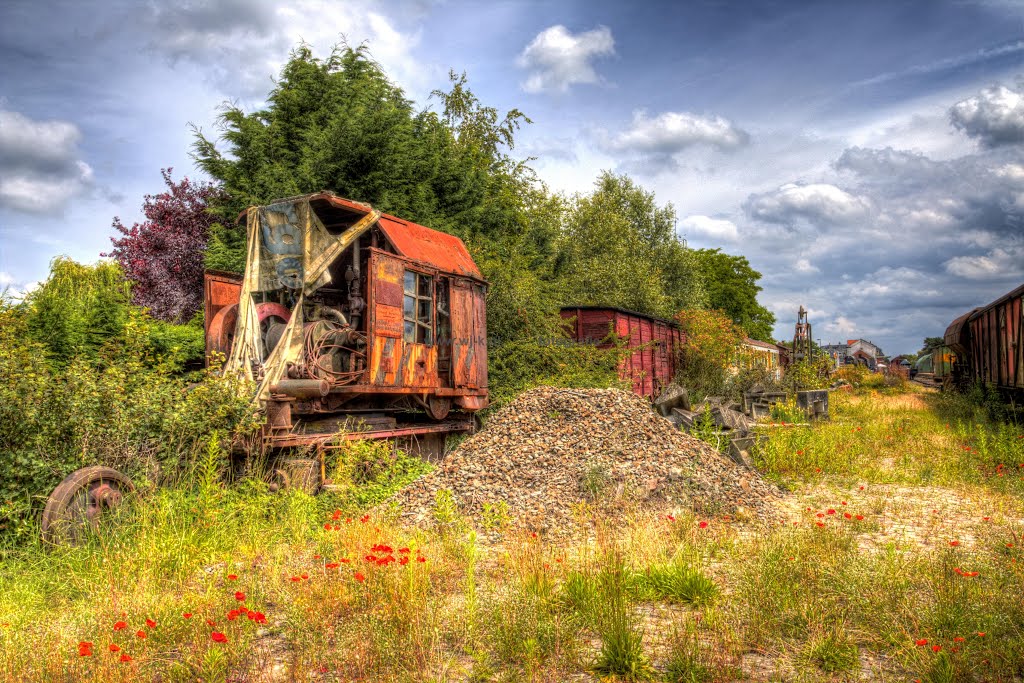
(80, 500)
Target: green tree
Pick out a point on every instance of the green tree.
(732, 287)
(619, 248)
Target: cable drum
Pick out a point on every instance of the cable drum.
(333, 352)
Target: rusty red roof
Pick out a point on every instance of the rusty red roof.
(420, 243)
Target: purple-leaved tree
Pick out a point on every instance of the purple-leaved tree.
(163, 256)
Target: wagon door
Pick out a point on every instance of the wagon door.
(469, 334)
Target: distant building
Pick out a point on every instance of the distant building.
(856, 351)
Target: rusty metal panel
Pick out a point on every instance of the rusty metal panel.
(461, 297)
(220, 290)
(479, 335)
(438, 249)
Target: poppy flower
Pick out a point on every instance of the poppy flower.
(1009, 545)
(344, 560)
(984, 519)
(533, 534)
(817, 470)
(233, 614)
(364, 519)
(404, 560)
(125, 657)
(295, 579)
(85, 649)
(958, 639)
(140, 634)
(120, 626)
(703, 525)
(981, 634)
(799, 452)
(219, 637)
(240, 596)
(232, 577)
(831, 511)
(331, 565)
(211, 623)
(260, 618)
(336, 516)
(844, 502)
(936, 648)
(820, 523)
(820, 514)
(187, 615)
(921, 643)
(859, 518)
(970, 575)
(404, 551)
(358, 576)
(861, 488)
(327, 526)
(114, 647)
(420, 558)
(150, 623)
(847, 515)
(305, 576)
(954, 544)
(670, 518)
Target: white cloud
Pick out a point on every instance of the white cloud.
(557, 59)
(841, 325)
(715, 228)
(671, 132)
(996, 264)
(40, 168)
(995, 116)
(819, 202)
(6, 279)
(802, 265)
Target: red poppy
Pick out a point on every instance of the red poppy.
(981, 634)
(831, 511)
(820, 514)
(211, 623)
(219, 637)
(141, 634)
(820, 523)
(958, 639)
(861, 488)
(1009, 545)
(126, 657)
(921, 643)
(232, 577)
(260, 618)
(187, 615)
(295, 579)
(847, 515)
(240, 596)
(844, 502)
(336, 516)
(370, 558)
(936, 648)
(327, 526)
(533, 534)
(331, 565)
(420, 558)
(969, 575)
(985, 519)
(337, 528)
(85, 649)
(114, 647)
(404, 560)
(305, 576)
(703, 525)
(670, 518)
(120, 626)
(859, 518)
(233, 614)
(954, 543)
(358, 576)
(818, 470)
(404, 551)
(344, 560)
(364, 519)
(150, 623)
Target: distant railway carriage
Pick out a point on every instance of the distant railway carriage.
(652, 363)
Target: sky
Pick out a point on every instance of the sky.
(866, 157)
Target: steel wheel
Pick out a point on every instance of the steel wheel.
(79, 501)
(438, 407)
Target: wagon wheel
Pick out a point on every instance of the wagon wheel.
(79, 501)
(438, 407)
(222, 327)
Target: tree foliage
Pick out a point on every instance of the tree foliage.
(711, 345)
(732, 288)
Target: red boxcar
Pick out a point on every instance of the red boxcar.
(989, 343)
(652, 364)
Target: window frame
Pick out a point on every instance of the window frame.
(425, 324)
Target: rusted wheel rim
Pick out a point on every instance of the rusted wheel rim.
(438, 407)
(80, 501)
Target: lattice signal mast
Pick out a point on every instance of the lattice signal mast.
(802, 337)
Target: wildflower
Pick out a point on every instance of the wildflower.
(847, 515)
(336, 516)
(954, 543)
(125, 657)
(420, 558)
(404, 560)
(984, 519)
(337, 528)
(859, 518)
(331, 565)
(344, 560)
(364, 519)
(187, 615)
(820, 514)
(820, 523)
(670, 518)
(327, 526)
(703, 525)
(85, 649)
(958, 639)
(969, 575)
(404, 551)
(936, 648)
(140, 634)
(114, 647)
(150, 623)
(295, 579)
(861, 488)
(533, 534)
(240, 596)
(233, 614)
(981, 634)
(211, 623)
(260, 618)
(817, 470)
(831, 511)
(305, 576)
(370, 558)
(844, 502)
(358, 576)
(120, 626)
(1009, 545)
(799, 452)
(219, 637)
(232, 577)
(921, 643)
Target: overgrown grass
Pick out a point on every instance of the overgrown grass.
(643, 596)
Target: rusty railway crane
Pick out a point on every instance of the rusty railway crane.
(351, 323)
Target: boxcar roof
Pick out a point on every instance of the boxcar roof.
(1015, 294)
(620, 310)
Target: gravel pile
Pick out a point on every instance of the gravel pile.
(551, 448)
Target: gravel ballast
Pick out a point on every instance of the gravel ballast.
(550, 449)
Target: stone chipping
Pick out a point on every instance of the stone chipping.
(551, 449)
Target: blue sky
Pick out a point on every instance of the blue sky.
(867, 157)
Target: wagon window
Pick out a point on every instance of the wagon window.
(418, 308)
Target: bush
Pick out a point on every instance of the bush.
(711, 347)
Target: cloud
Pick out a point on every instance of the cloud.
(802, 265)
(40, 165)
(241, 45)
(997, 264)
(841, 325)
(815, 203)
(714, 228)
(672, 132)
(6, 279)
(556, 59)
(994, 117)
